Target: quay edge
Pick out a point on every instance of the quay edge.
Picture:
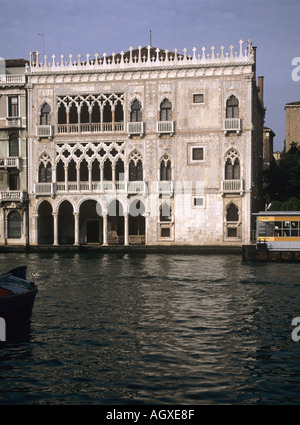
(143, 249)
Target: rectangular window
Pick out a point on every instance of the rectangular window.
(165, 232)
(198, 98)
(198, 202)
(13, 109)
(197, 154)
(231, 232)
(13, 181)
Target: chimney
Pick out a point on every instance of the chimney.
(261, 88)
(34, 58)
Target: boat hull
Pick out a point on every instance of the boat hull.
(17, 308)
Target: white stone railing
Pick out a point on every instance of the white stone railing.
(13, 121)
(140, 58)
(135, 128)
(165, 187)
(12, 195)
(12, 79)
(232, 124)
(163, 127)
(44, 188)
(11, 161)
(105, 127)
(232, 186)
(44, 131)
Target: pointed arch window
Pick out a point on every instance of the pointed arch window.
(135, 167)
(136, 111)
(166, 110)
(232, 166)
(45, 173)
(232, 213)
(232, 107)
(45, 114)
(165, 169)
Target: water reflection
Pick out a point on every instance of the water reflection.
(154, 329)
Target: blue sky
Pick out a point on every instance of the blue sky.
(89, 26)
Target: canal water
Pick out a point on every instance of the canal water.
(154, 329)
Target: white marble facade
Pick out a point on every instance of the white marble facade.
(146, 147)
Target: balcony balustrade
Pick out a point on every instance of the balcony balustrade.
(165, 127)
(135, 128)
(48, 189)
(105, 127)
(44, 188)
(12, 79)
(13, 195)
(14, 122)
(44, 131)
(10, 162)
(232, 186)
(232, 124)
(165, 187)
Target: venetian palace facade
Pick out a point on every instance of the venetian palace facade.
(144, 147)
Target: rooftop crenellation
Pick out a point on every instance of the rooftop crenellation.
(142, 57)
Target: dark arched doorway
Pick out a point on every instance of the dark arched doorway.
(90, 223)
(45, 224)
(137, 223)
(65, 223)
(115, 223)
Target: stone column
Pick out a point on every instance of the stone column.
(104, 229)
(90, 177)
(78, 176)
(55, 228)
(35, 228)
(126, 228)
(4, 226)
(66, 177)
(76, 228)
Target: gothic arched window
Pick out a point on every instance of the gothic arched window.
(166, 110)
(45, 114)
(232, 213)
(136, 111)
(232, 166)
(135, 167)
(45, 173)
(232, 107)
(165, 170)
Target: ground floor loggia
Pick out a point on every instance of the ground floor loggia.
(90, 225)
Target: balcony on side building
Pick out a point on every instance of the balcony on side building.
(232, 186)
(14, 122)
(13, 195)
(232, 124)
(8, 79)
(10, 162)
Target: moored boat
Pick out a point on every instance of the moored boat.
(17, 296)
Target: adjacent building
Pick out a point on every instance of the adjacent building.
(13, 153)
(144, 147)
(292, 124)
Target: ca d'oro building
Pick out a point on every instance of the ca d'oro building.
(146, 147)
